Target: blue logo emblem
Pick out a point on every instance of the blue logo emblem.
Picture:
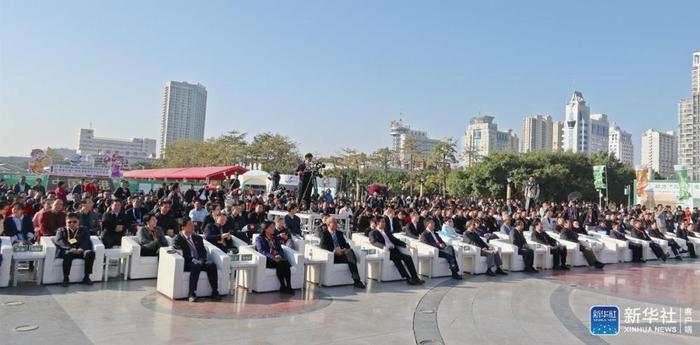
(605, 320)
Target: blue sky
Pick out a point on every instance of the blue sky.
(342, 68)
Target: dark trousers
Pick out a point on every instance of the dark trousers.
(589, 255)
(558, 255)
(87, 255)
(691, 248)
(528, 256)
(400, 259)
(637, 251)
(284, 273)
(675, 248)
(449, 254)
(348, 257)
(658, 251)
(110, 239)
(148, 252)
(212, 275)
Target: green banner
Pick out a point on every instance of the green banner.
(599, 177)
(683, 192)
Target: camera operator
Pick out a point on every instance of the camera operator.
(305, 173)
(275, 178)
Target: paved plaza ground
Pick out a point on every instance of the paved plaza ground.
(547, 308)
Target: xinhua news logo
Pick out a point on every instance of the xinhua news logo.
(605, 320)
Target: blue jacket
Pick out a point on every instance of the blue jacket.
(26, 232)
(263, 247)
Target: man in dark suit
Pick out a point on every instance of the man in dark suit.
(74, 242)
(393, 225)
(558, 250)
(217, 234)
(383, 239)
(135, 214)
(18, 226)
(432, 238)
(195, 255)
(333, 241)
(414, 228)
(569, 234)
(656, 233)
(683, 232)
(22, 186)
(636, 248)
(114, 224)
(493, 258)
(518, 239)
(639, 232)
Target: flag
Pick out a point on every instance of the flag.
(642, 182)
(682, 173)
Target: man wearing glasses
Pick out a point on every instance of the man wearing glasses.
(74, 243)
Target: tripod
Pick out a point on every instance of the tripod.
(306, 192)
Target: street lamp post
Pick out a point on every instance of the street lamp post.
(422, 182)
(508, 189)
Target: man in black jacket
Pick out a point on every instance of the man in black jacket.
(493, 258)
(217, 234)
(18, 226)
(414, 228)
(683, 232)
(384, 239)
(568, 234)
(656, 233)
(166, 218)
(195, 255)
(636, 248)
(518, 239)
(114, 224)
(431, 238)
(639, 232)
(333, 241)
(558, 250)
(74, 243)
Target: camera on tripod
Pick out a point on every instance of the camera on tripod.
(315, 168)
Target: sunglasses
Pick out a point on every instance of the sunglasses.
(72, 221)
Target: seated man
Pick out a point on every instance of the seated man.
(114, 225)
(636, 248)
(493, 258)
(287, 238)
(569, 234)
(656, 233)
(432, 238)
(195, 254)
(413, 229)
(381, 238)
(333, 241)
(639, 233)
(19, 227)
(557, 249)
(683, 232)
(518, 239)
(217, 235)
(73, 242)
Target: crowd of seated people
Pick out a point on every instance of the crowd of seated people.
(221, 215)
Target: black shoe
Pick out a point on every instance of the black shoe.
(359, 284)
(683, 251)
(65, 282)
(678, 257)
(215, 296)
(490, 273)
(664, 258)
(420, 281)
(501, 272)
(410, 281)
(599, 265)
(456, 276)
(565, 267)
(289, 291)
(86, 281)
(192, 298)
(531, 270)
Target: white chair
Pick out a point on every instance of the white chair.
(385, 270)
(512, 261)
(472, 261)
(543, 253)
(624, 254)
(333, 274)
(439, 267)
(140, 267)
(605, 251)
(681, 242)
(174, 282)
(6, 253)
(574, 257)
(265, 279)
(53, 266)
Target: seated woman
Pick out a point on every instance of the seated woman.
(269, 244)
(448, 230)
(151, 237)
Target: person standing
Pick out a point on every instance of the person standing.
(305, 184)
(532, 192)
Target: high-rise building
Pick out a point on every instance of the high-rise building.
(620, 144)
(689, 124)
(577, 125)
(483, 137)
(537, 133)
(134, 149)
(184, 113)
(660, 151)
(557, 136)
(406, 141)
(600, 133)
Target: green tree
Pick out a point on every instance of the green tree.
(274, 152)
(383, 159)
(441, 158)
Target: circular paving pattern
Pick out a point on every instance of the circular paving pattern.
(242, 306)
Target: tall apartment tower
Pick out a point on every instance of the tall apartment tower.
(537, 133)
(689, 124)
(483, 137)
(620, 144)
(557, 136)
(660, 151)
(600, 133)
(184, 113)
(577, 125)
